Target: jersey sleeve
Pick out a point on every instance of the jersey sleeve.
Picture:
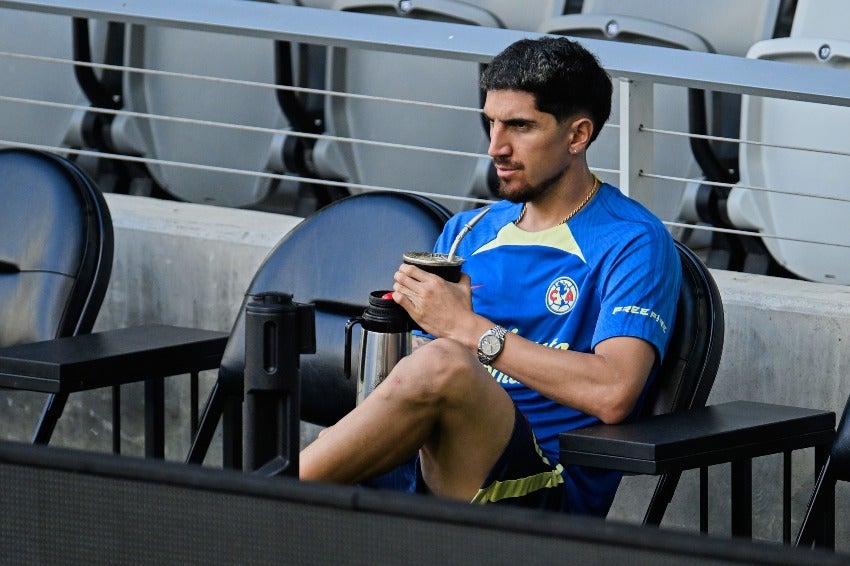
(640, 290)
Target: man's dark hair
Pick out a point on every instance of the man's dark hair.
(565, 78)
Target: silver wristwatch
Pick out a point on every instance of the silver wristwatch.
(490, 345)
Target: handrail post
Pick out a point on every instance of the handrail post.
(636, 146)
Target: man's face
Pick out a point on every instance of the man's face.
(530, 149)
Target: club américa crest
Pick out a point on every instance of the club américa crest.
(562, 295)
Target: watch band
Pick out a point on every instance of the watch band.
(487, 357)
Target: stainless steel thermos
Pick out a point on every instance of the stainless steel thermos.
(384, 339)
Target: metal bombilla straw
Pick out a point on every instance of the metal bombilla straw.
(466, 228)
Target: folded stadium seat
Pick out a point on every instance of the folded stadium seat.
(820, 37)
(220, 56)
(326, 4)
(414, 78)
(730, 26)
(100, 42)
(45, 35)
(672, 156)
(697, 25)
(52, 128)
(56, 246)
(527, 15)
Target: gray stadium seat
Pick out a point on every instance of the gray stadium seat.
(819, 36)
(406, 77)
(327, 4)
(729, 26)
(698, 25)
(672, 155)
(36, 80)
(44, 83)
(526, 15)
(212, 55)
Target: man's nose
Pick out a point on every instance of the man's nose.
(498, 143)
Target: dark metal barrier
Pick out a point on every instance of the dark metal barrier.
(62, 506)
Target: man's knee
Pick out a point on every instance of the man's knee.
(435, 372)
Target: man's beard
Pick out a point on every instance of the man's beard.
(529, 193)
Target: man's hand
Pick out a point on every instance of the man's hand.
(435, 304)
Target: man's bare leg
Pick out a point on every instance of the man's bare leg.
(439, 399)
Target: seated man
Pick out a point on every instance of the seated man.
(560, 319)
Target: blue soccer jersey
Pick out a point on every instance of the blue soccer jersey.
(612, 270)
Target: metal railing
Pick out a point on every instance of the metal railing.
(637, 68)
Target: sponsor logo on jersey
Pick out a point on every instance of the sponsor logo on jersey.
(642, 311)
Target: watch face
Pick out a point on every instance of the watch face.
(490, 345)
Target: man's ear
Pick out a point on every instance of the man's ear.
(581, 130)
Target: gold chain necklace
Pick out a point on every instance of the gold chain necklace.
(593, 189)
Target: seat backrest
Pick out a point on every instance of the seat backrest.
(690, 364)
(334, 259)
(56, 247)
(730, 26)
(840, 452)
(798, 149)
(244, 108)
(32, 33)
(436, 82)
(671, 155)
(821, 18)
(526, 15)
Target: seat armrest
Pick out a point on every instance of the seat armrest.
(699, 437)
(112, 357)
